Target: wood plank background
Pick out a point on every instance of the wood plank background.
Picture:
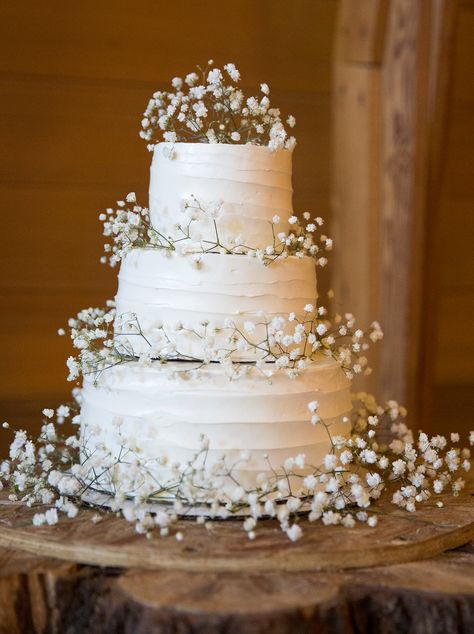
(75, 78)
(454, 238)
(393, 87)
(454, 361)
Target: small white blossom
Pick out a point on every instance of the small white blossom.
(39, 519)
(294, 532)
(331, 461)
(249, 326)
(51, 516)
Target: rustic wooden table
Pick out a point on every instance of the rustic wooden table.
(411, 574)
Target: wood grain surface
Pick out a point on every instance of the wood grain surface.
(399, 537)
(41, 594)
(430, 597)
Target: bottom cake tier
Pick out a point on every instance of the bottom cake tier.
(155, 419)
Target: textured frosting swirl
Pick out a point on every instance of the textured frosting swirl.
(164, 289)
(252, 182)
(162, 414)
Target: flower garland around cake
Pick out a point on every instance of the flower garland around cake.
(209, 108)
(288, 344)
(129, 227)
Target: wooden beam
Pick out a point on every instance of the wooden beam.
(356, 159)
(443, 30)
(362, 31)
(385, 172)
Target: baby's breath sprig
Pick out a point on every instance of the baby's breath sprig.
(129, 227)
(61, 472)
(92, 334)
(208, 107)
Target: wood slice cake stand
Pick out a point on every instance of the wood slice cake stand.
(79, 576)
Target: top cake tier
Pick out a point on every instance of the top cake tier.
(248, 184)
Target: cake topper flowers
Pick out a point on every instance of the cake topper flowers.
(208, 107)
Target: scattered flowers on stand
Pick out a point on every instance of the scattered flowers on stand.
(60, 473)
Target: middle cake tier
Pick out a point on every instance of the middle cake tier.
(171, 305)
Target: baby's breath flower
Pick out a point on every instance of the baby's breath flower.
(213, 111)
(294, 532)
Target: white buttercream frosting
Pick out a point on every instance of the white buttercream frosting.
(252, 182)
(163, 289)
(162, 412)
(163, 415)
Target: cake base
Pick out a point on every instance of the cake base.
(102, 499)
(400, 537)
(435, 595)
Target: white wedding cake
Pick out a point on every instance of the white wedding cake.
(213, 322)
(217, 383)
(166, 415)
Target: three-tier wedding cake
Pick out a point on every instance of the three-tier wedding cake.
(217, 383)
(219, 344)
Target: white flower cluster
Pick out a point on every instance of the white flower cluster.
(59, 472)
(92, 334)
(129, 227)
(416, 469)
(209, 108)
(37, 471)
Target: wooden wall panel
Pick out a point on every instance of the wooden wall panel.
(379, 159)
(455, 231)
(146, 40)
(403, 193)
(74, 80)
(355, 195)
(455, 345)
